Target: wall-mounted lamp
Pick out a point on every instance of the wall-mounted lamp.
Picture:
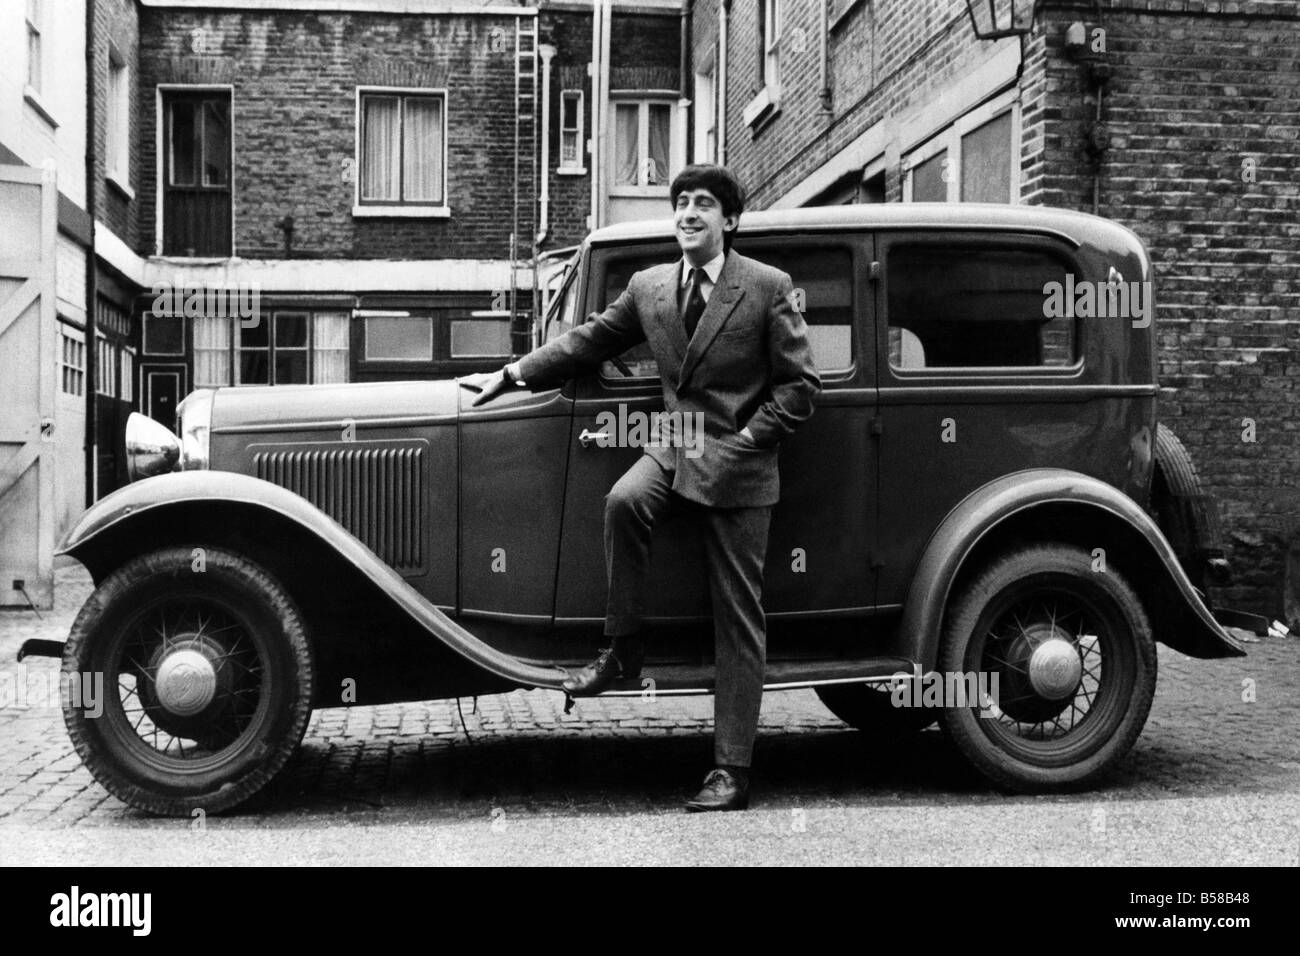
(997, 19)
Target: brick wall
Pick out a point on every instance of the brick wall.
(116, 24)
(294, 78)
(1198, 88)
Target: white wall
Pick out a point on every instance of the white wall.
(51, 124)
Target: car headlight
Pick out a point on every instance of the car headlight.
(151, 449)
(194, 422)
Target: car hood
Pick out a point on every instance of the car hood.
(285, 406)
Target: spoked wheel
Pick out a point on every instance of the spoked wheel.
(206, 679)
(1073, 658)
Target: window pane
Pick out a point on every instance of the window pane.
(970, 306)
(291, 330)
(422, 168)
(291, 368)
(255, 336)
(824, 276)
(211, 351)
(216, 143)
(986, 162)
(927, 180)
(330, 347)
(659, 134)
(164, 335)
(381, 149)
(480, 337)
(253, 368)
(399, 338)
(626, 147)
(184, 162)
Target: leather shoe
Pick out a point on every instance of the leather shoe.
(622, 661)
(723, 790)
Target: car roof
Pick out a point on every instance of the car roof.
(1076, 227)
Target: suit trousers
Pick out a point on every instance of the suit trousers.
(735, 546)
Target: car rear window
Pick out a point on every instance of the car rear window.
(968, 305)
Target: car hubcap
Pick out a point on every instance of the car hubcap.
(1055, 668)
(186, 681)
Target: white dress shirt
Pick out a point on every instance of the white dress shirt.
(711, 270)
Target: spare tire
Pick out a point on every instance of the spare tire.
(1187, 515)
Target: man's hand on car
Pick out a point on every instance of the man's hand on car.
(488, 385)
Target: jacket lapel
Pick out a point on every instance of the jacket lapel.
(727, 291)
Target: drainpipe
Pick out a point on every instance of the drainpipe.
(724, 15)
(92, 329)
(544, 201)
(684, 79)
(823, 83)
(597, 153)
(602, 147)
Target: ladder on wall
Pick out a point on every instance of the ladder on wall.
(523, 233)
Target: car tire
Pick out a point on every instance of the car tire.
(1072, 647)
(207, 677)
(869, 707)
(1185, 513)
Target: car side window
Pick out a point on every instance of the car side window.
(822, 274)
(954, 305)
(638, 361)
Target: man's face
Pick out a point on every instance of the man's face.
(701, 225)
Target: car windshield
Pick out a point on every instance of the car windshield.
(562, 306)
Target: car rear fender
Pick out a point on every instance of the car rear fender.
(118, 527)
(1056, 504)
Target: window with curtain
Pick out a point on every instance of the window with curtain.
(643, 144)
(402, 144)
(283, 348)
(571, 147)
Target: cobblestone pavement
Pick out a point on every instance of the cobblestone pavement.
(520, 755)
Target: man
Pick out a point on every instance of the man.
(733, 351)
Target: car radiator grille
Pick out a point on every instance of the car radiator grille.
(377, 493)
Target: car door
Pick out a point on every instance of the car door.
(819, 560)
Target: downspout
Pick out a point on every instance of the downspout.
(544, 200)
(684, 79)
(823, 81)
(606, 32)
(92, 329)
(723, 18)
(597, 11)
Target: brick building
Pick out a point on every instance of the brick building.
(1178, 118)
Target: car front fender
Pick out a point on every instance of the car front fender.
(97, 540)
(1036, 504)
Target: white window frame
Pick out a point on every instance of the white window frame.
(161, 146)
(767, 102)
(951, 137)
(579, 133)
(35, 72)
(706, 114)
(106, 362)
(117, 133)
(71, 333)
(390, 210)
(126, 374)
(644, 102)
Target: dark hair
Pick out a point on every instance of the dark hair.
(718, 180)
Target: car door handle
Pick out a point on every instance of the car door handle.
(586, 438)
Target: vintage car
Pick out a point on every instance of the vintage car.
(981, 490)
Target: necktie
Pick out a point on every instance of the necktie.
(694, 303)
